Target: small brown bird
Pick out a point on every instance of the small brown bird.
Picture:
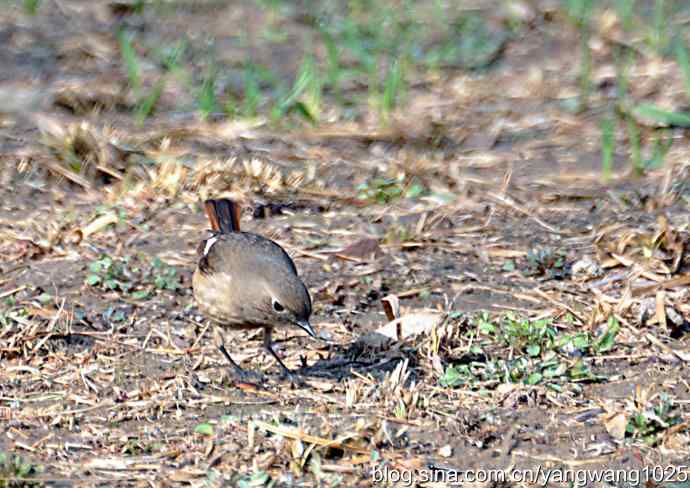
(246, 281)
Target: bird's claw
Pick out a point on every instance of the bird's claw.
(245, 376)
(294, 379)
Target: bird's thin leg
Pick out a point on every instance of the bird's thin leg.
(232, 362)
(268, 345)
(240, 373)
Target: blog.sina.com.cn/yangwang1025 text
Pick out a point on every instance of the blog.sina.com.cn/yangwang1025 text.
(539, 475)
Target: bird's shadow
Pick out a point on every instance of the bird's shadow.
(343, 360)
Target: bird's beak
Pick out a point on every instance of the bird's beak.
(304, 324)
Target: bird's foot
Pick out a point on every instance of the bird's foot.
(246, 376)
(241, 375)
(293, 377)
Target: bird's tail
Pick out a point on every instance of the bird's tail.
(223, 214)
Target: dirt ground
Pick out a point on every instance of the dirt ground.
(109, 373)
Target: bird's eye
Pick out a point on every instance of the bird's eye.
(277, 306)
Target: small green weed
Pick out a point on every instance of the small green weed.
(113, 315)
(138, 447)
(14, 469)
(551, 371)
(398, 233)
(164, 277)
(125, 276)
(131, 60)
(540, 353)
(110, 275)
(583, 343)
(455, 376)
(531, 337)
(256, 479)
(31, 6)
(547, 262)
(651, 423)
(607, 340)
(386, 190)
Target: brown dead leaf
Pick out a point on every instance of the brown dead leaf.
(366, 249)
(659, 251)
(616, 425)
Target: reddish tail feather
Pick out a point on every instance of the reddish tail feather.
(223, 214)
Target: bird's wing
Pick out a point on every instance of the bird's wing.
(222, 252)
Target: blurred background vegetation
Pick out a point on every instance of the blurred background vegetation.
(314, 62)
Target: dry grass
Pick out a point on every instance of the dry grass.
(488, 302)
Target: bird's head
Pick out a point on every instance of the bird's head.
(285, 302)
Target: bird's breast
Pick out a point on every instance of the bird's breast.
(220, 299)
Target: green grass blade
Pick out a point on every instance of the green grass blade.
(635, 148)
(625, 10)
(665, 117)
(662, 144)
(684, 63)
(147, 105)
(392, 86)
(623, 63)
(206, 96)
(31, 6)
(131, 61)
(230, 107)
(333, 71)
(171, 57)
(607, 146)
(252, 92)
(304, 111)
(659, 34)
(305, 82)
(314, 92)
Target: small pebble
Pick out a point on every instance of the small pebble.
(446, 451)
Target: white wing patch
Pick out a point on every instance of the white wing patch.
(209, 244)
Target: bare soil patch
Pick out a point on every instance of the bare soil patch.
(562, 339)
